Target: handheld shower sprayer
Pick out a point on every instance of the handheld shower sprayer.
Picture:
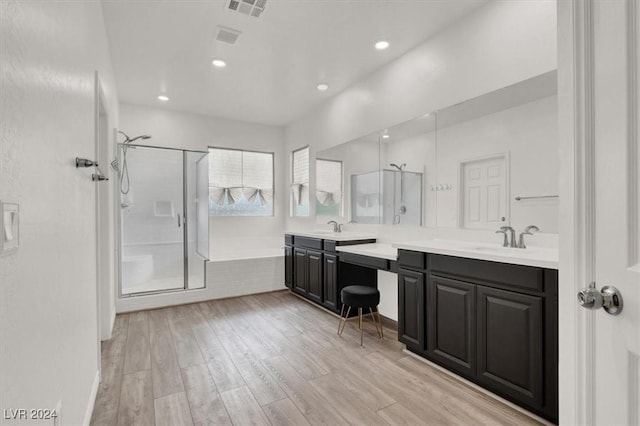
(124, 171)
(128, 140)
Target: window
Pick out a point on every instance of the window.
(300, 182)
(328, 187)
(240, 183)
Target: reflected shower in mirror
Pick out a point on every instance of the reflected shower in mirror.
(348, 182)
(408, 164)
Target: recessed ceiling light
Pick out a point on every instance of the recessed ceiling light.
(386, 136)
(219, 63)
(382, 44)
(323, 87)
(163, 98)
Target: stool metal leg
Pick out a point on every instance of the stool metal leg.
(344, 322)
(378, 329)
(360, 325)
(340, 322)
(379, 322)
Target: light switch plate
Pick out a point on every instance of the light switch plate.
(10, 227)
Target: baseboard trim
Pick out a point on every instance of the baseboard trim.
(479, 388)
(388, 322)
(92, 399)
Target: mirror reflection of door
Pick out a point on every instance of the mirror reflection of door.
(484, 201)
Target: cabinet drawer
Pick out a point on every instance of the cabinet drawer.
(485, 272)
(288, 239)
(312, 243)
(412, 259)
(367, 261)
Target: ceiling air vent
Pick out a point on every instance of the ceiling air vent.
(227, 35)
(247, 7)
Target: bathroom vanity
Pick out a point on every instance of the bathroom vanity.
(494, 323)
(313, 269)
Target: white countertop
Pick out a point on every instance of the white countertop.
(333, 236)
(380, 250)
(531, 256)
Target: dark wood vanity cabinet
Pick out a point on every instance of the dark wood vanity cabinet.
(411, 302)
(317, 273)
(314, 275)
(451, 315)
(300, 278)
(288, 266)
(492, 323)
(331, 296)
(511, 344)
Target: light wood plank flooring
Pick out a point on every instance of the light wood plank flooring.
(273, 359)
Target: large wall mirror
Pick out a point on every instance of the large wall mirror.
(347, 182)
(487, 162)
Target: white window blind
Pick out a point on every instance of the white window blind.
(240, 183)
(329, 182)
(300, 182)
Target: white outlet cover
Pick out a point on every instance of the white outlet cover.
(10, 227)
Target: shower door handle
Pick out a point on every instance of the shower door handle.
(179, 223)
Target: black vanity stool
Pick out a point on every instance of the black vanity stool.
(359, 296)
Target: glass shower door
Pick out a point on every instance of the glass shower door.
(197, 235)
(152, 221)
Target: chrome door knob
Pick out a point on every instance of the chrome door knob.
(608, 298)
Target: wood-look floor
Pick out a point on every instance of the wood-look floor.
(273, 359)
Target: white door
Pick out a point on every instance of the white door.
(617, 261)
(484, 193)
(602, 37)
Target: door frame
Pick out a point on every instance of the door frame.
(576, 106)
(105, 309)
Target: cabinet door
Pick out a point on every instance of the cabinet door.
(314, 265)
(510, 344)
(300, 270)
(288, 266)
(411, 320)
(451, 317)
(331, 282)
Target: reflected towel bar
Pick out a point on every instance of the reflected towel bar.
(538, 196)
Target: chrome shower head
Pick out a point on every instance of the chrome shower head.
(129, 140)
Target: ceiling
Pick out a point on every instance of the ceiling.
(166, 47)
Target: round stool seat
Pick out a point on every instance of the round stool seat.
(359, 296)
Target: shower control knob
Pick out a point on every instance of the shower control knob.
(83, 162)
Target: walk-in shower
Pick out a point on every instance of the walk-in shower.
(164, 222)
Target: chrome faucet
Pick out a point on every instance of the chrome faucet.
(529, 230)
(336, 228)
(509, 241)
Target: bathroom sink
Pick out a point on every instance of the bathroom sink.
(504, 250)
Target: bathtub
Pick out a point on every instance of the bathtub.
(237, 272)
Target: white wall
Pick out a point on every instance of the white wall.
(48, 316)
